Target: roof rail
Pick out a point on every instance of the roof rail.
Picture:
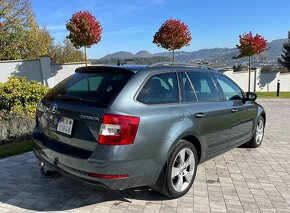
(179, 64)
(223, 68)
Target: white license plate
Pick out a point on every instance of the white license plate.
(64, 125)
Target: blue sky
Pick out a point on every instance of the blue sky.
(129, 25)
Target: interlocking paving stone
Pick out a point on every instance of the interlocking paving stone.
(242, 180)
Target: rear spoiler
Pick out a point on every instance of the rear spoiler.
(102, 69)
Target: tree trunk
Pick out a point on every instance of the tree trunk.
(86, 60)
(173, 56)
(249, 82)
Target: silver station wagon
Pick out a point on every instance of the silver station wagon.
(129, 126)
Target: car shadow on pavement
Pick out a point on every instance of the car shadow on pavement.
(22, 187)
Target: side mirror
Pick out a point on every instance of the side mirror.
(251, 96)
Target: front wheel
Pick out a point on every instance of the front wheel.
(182, 165)
(257, 138)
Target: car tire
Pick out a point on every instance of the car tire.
(181, 169)
(257, 138)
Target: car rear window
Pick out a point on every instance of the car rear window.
(89, 88)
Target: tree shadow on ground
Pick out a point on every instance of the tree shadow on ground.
(23, 187)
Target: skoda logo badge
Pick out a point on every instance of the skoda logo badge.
(54, 108)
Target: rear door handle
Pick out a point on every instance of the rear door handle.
(199, 115)
(234, 110)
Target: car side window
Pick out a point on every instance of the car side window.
(231, 90)
(159, 89)
(204, 87)
(187, 93)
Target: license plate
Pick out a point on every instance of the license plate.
(64, 125)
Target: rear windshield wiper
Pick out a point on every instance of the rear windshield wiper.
(73, 98)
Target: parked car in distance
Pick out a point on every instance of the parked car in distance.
(131, 126)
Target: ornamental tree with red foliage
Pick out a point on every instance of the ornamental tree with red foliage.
(251, 45)
(84, 30)
(172, 35)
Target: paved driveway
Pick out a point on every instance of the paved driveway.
(242, 180)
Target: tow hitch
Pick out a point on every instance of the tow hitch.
(47, 173)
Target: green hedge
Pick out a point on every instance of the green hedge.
(18, 96)
(18, 101)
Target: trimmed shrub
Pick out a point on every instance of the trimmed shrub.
(18, 96)
(18, 101)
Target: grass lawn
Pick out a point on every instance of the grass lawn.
(10, 149)
(273, 95)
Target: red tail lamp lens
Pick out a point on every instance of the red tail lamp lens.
(118, 129)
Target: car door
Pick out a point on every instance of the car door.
(242, 113)
(161, 111)
(208, 110)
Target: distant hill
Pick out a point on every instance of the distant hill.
(222, 56)
(275, 48)
(135, 60)
(119, 55)
(127, 55)
(143, 54)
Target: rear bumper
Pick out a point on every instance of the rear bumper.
(143, 172)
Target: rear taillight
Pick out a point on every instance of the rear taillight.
(118, 129)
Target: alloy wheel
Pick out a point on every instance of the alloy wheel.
(259, 131)
(182, 169)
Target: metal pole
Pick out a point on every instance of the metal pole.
(249, 83)
(86, 60)
(278, 88)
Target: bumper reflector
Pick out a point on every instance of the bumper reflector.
(90, 174)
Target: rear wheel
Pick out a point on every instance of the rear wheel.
(181, 170)
(257, 138)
